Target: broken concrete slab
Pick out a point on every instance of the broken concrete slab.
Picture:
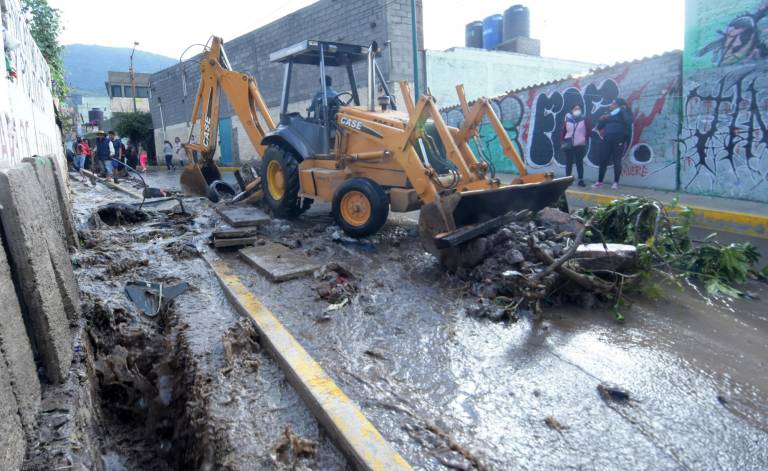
(233, 233)
(241, 242)
(15, 349)
(242, 216)
(12, 443)
(59, 222)
(31, 245)
(611, 257)
(64, 202)
(278, 262)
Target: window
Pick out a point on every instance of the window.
(128, 91)
(117, 91)
(142, 92)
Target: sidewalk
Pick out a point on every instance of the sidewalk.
(748, 218)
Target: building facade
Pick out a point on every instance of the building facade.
(388, 22)
(120, 89)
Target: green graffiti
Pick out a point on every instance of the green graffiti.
(492, 148)
(725, 33)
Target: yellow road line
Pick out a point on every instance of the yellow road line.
(357, 438)
(752, 225)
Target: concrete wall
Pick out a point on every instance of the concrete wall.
(534, 119)
(351, 21)
(724, 135)
(27, 125)
(39, 296)
(492, 73)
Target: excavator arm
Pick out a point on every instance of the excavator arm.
(217, 76)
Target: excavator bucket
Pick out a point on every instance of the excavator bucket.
(450, 223)
(195, 178)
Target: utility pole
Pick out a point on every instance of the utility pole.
(133, 76)
(415, 52)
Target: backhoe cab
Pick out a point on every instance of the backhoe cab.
(368, 159)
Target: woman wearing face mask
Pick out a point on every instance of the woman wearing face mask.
(617, 129)
(574, 143)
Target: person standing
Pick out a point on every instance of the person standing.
(576, 132)
(177, 147)
(132, 156)
(168, 152)
(143, 159)
(80, 154)
(104, 153)
(617, 129)
(119, 153)
(87, 150)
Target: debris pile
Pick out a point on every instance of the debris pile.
(596, 257)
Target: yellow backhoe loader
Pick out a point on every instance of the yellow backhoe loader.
(367, 159)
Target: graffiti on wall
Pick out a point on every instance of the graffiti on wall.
(548, 118)
(725, 134)
(744, 39)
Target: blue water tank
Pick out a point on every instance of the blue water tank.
(517, 22)
(493, 27)
(474, 35)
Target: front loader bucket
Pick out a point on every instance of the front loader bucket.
(462, 217)
(195, 178)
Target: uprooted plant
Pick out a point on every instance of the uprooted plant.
(600, 255)
(661, 235)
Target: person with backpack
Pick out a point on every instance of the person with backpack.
(576, 132)
(616, 128)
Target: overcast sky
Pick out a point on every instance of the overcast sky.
(601, 31)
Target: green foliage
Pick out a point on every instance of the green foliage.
(44, 24)
(720, 267)
(136, 126)
(661, 236)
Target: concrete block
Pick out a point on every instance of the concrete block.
(57, 227)
(26, 225)
(12, 443)
(15, 348)
(278, 262)
(243, 216)
(65, 201)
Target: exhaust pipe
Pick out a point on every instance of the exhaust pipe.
(372, 50)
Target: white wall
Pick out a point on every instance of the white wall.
(27, 117)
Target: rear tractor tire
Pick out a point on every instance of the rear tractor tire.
(360, 207)
(280, 180)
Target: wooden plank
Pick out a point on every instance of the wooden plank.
(278, 262)
(342, 419)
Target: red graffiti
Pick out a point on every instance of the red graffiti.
(634, 171)
(620, 78)
(642, 120)
(531, 97)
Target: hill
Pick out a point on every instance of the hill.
(86, 66)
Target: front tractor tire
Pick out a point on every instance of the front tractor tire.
(280, 177)
(360, 207)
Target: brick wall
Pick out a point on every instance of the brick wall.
(534, 119)
(351, 21)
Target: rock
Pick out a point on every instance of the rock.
(558, 221)
(514, 256)
(617, 257)
(474, 252)
(612, 392)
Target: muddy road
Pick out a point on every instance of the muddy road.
(448, 390)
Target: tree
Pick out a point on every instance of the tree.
(136, 126)
(45, 26)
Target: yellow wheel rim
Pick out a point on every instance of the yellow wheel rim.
(355, 208)
(275, 180)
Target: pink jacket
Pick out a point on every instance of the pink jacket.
(579, 131)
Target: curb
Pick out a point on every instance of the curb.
(341, 418)
(747, 224)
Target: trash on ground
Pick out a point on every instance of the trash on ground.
(612, 392)
(152, 298)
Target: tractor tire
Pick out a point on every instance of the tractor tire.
(360, 207)
(280, 180)
(220, 190)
